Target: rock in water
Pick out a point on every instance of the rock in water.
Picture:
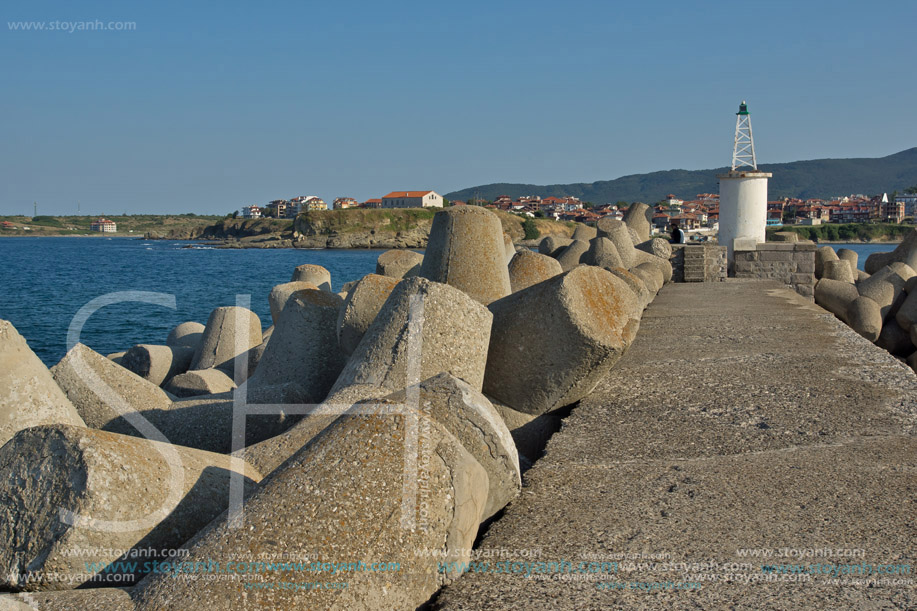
(528, 268)
(343, 498)
(399, 263)
(639, 218)
(157, 364)
(230, 331)
(122, 485)
(102, 391)
(281, 293)
(313, 274)
(302, 360)
(360, 309)
(574, 254)
(186, 334)
(452, 336)
(28, 394)
(551, 343)
(466, 251)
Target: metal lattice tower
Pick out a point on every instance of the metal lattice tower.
(743, 152)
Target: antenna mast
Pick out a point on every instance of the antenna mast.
(743, 151)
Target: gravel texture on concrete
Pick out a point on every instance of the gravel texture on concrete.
(741, 418)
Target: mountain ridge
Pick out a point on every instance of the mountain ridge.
(808, 178)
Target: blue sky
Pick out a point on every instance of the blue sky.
(209, 106)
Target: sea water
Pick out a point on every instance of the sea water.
(45, 282)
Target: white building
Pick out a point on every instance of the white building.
(251, 212)
(413, 199)
(103, 225)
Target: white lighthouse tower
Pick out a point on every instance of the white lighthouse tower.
(743, 193)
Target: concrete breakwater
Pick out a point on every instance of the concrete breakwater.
(879, 303)
(397, 415)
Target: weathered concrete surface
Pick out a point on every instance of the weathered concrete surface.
(553, 342)
(281, 294)
(122, 491)
(360, 308)
(342, 499)
(603, 253)
(199, 382)
(302, 360)
(102, 390)
(466, 251)
(399, 263)
(205, 423)
(472, 419)
(574, 254)
(527, 268)
(230, 331)
(313, 274)
(97, 599)
(29, 395)
(552, 245)
(157, 364)
(639, 217)
(740, 417)
(450, 332)
(186, 334)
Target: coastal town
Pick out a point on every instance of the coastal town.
(701, 212)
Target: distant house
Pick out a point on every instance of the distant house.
(277, 208)
(372, 203)
(342, 203)
(313, 202)
(910, 203)
(251, 212)
(104, 226)
(413, 199)
(686, 221)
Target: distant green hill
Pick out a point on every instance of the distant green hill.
(815, 178)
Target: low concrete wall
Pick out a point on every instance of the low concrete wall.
(698, 263)
(791, 263)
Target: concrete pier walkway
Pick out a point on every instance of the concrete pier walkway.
(748, 452)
